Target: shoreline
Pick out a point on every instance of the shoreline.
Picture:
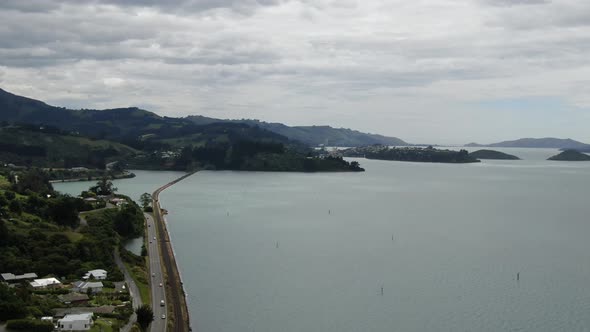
(175, 289)
(128, 175)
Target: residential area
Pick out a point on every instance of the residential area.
(63, 265)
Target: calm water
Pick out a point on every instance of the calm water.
(310, 252)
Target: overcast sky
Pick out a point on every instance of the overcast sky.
(440, 71)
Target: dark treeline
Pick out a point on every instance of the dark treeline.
(23, 150)
(250, 155)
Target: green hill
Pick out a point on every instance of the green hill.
(491, 154)
(570, 155)
(59, 137)
(48, 147)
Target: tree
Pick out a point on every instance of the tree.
(64, 211)
(3, 233)
(104, 187)
(146, 200)
(145, 316)
(15, 206)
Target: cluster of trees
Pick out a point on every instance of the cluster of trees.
(103, 187)
(33, 180)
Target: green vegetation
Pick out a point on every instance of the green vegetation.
(40, 233)
(138, 267)
(491, 154)
(570, 155)
(259, 156)
(29, 325)
(145, 316)
(30, 145)
(146, 202)
(63, 140)
(428, 155)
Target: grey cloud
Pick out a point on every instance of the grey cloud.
(176, 6)
(515, 2)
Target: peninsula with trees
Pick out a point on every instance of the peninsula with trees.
(414, 154)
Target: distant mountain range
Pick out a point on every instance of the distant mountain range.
(547, 142)
(312, 135)
(124, 124)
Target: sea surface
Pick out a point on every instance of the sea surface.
(401, 247)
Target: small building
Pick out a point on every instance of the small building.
(97, 274)
(118, 200)
(45, 283)
(85, 286)
(75, 322)
(90, 200)
(79, 169)
(74, 298)
(9, 277)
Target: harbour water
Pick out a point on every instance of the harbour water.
(400, 247)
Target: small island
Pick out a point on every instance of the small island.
(415, 154)
(492, 154)
(570, 155)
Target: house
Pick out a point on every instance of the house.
(75, 322)
(90, 200)
(118, 201)
(9, 277)
(97, 274)
(44, 283)
(74, 298)
(85, 286)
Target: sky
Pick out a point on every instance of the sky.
(427, 71)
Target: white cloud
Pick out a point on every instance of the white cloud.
(414, 69)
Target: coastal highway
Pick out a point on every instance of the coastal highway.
(176, 303)
(156, 277)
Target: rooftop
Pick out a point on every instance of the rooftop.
(45, 282)
(76, 317)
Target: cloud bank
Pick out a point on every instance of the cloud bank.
(447, 71)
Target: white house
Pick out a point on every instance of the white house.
(47, 282)
(97, 274)
(77, 322)
(9, 277)
(84, 286)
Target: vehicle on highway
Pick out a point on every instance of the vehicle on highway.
(162, 303)
(160, 284)
(163, 316)
(153, 274)
(154, 237)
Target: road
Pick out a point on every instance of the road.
(178, 308)
(133, 291)
(156, 277)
